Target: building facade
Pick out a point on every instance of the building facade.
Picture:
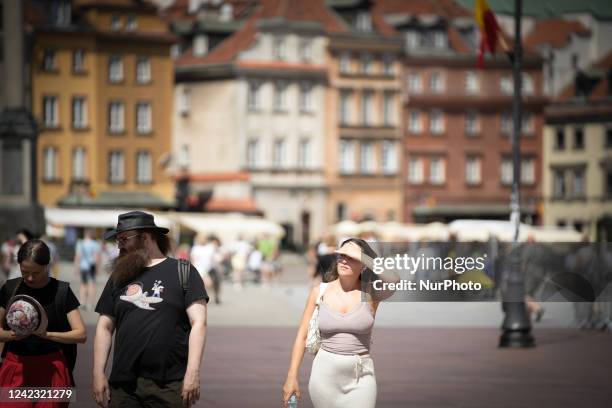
(578, 155)
(102, 91)
(458, 119)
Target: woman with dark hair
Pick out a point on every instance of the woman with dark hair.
(46, 357)
(342, 372)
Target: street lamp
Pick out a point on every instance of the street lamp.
(516, 327)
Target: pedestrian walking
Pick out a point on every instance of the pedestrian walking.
(44, 357)
(342, 372)
(87, 257)
(155, 307)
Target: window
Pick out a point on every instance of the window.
(416, 174)
(50, 116)
(387, 64)
(200, 45)
(559, 139)
(389, 157)
(253, 102)
(527, 123)
(345, 63)
(278, 48)
(116, 117)
(143, 70)
(527, 84)
(608, 181)
(278, 154)
(436, 85)
(345, 106)
(115, 69)
(472, 171)
(437, 171)
(131, 23)
(280, 104)
(363, 22)
(143, 118)
(184, 103)
(578, 226)
(414, 84)
(253, 153)
(78, 164)
(578, 190)
(49, 60)
(414, 124)
(471, 123)
(184, 157)
(347, 157)
(50, 164)
(78, 61)
(440, 39)
(305, 99)
(341, 213)
(175, 51)
(471, 82)
(366, 63)
(227, 12)
(304, 153)
(528, 170)
(116, 167)
(561, 223)
(388, 118)
(608, 138)
(144, 167)
(366, 108)
(366, 162)
(436, 121)
(506, 123)
(506, 84)
(305, 49)
(412, 40)
(506, 171)
(79, 112)
(62, 13)
(559, 183)
(115, 22)
(578, 139)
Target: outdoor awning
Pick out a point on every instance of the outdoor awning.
(228, 227)
(92, 218)
(114, 199)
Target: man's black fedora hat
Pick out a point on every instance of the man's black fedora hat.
(134, 220)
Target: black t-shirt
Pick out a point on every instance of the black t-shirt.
(34, 345)
(152, 327)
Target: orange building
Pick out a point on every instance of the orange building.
(102, 92)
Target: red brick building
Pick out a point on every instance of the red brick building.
(458, 119)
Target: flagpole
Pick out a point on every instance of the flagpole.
(516, 327)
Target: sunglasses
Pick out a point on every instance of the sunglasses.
(124, 240)
(342, 257)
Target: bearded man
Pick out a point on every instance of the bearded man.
(159, 323)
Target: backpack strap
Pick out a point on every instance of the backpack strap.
(184, 268)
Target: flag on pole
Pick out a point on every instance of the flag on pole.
(488, 29)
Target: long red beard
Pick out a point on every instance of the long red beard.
(128, 266)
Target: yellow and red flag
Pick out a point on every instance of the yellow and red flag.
(488, 29)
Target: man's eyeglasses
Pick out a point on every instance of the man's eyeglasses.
(123, 240)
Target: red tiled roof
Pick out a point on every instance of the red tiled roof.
(600, 91)
(444, 8)
(605, 62)
(247, 205)
(554, 32)
(456, 42)
(290, 10)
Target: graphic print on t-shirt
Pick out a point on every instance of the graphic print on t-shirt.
(135, 295)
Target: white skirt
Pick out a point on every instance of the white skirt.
(339, 381)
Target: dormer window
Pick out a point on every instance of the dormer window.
(440, 39)
(200, 45)
(363, 22)
(131, 23)
(227, 12)
(278, 47)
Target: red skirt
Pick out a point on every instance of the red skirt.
(47, 370)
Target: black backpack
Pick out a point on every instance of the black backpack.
(69, 350)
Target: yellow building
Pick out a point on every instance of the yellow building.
(102, 92)
(578, 155)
